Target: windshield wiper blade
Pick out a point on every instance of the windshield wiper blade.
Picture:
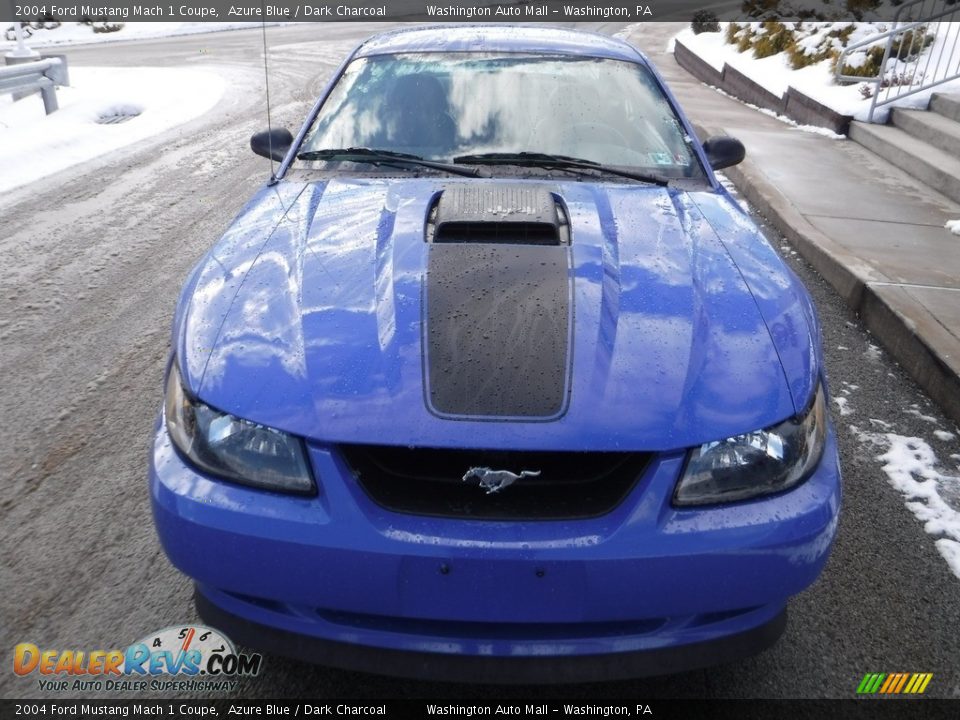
(521, 158)
(388, 157)
(561, 162)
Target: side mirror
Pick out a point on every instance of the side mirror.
(723, 151)
(272, 143)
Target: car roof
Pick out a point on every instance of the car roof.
(499, 38)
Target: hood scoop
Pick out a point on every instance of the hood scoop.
(504, 214)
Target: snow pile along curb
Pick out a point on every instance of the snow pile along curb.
(104, 109)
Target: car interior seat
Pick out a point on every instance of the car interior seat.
(418, 112)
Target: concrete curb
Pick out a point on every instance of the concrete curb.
(902, 325)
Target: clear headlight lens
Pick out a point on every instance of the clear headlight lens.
(232, 448)
(756, 463)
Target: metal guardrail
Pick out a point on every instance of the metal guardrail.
(26, 78)
(913, 23)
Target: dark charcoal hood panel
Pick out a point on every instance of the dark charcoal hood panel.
(496, 330)
(325, 335)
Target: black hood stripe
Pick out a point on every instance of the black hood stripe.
(497, 330)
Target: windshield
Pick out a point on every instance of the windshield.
(444, 105)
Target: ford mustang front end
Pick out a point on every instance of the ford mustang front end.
(494, 381)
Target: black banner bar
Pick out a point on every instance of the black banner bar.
(122, 11)
(854, 709)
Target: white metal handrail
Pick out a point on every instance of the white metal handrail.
(912, 24)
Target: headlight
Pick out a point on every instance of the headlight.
(232, 448)
(756, 463)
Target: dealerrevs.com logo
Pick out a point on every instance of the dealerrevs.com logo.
(198, 657)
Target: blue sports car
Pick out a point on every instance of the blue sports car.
(493, 381)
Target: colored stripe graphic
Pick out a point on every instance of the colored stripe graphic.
(869, 683)
(889, 683)
(901, 682)
(894, 683)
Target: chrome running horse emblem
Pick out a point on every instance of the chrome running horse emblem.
(496, 480)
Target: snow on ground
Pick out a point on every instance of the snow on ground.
(628, 31)
(914, 410)
(817, 80)
(73, 33)
(842, 398)
(841, 403)
(34, 145)
(932, 495)
(930, 489)
(872, 352)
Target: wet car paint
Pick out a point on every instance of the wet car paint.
(307, 317)
(317, 331)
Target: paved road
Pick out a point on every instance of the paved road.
(94, 259)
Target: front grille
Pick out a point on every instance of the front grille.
(428, 481)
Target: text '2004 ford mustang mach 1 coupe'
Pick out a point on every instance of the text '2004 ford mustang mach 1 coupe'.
(494, 381)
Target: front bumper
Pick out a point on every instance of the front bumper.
(642, 590)
(223, 614)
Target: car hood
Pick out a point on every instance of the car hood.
(338, 322)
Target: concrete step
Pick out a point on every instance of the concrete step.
(946, 105)
(929, 127)
(929, 165)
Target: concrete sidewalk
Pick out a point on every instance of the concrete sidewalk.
(876, 234)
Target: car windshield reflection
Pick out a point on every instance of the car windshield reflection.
(444, 105)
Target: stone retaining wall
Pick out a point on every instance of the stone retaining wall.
(794, 104)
